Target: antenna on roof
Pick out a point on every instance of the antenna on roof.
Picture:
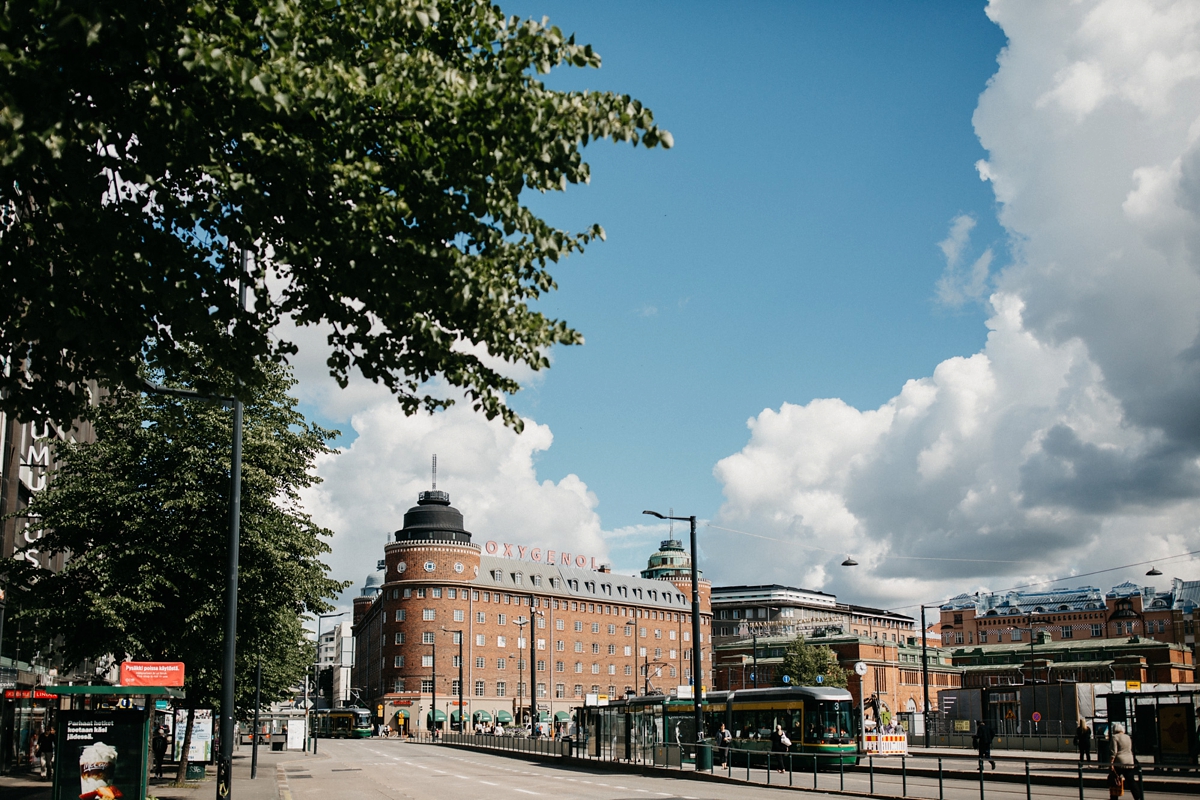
(435, 472)
(671, 524)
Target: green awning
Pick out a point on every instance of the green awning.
(503, 717)
(482, 716)
(147, 691)
(402, 713)
(440, 715)
(543, 716)
(454, 716)
(562, 716)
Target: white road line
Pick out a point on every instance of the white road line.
(489, 783)
(522, 791)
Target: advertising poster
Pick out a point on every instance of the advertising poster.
(101, 755)
(295, 734)
(202, 735)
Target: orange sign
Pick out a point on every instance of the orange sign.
(28, 694)
(152, 673)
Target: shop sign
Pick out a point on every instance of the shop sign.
(152, 673)
(100, 755)
(28, 694)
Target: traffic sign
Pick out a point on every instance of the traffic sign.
(787, 678)
(1037, 716)
(820, 679)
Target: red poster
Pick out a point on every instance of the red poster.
(152, 673)
(28, 694)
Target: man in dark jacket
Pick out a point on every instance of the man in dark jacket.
(983, 742)
(158, 746)
(1083, 740)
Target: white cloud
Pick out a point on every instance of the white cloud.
(1071, 442)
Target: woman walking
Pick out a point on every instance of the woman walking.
(1123, 762)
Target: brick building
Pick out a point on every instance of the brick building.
(1074, 614)
(787, 610)
(594, 632)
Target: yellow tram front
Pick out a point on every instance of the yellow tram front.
(817, 719)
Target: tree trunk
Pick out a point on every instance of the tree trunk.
(187, 747)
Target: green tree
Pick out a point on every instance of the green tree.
(142, 518)
(372, 155)
(803, 662)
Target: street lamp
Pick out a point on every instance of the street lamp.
(317, 670)
(697, 664)
(462, 728)
(433, 689)
(521, 622)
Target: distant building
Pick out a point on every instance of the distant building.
(786, 610)
(1073, 614)
(342, 662)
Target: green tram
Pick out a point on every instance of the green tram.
(817, 719)
(660, 729)
(342, 723)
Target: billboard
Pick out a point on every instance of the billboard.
(101, 755)
(202, 735)
(152, 673)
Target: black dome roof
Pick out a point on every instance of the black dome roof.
(433, 519)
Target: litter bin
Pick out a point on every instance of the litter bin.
(704, 757)
(195, 772)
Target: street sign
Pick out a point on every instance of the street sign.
(1037, 716)
(787, 678)
(820, 679)
(152, 673)
(1133, 686)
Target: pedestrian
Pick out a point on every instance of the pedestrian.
(724, 742)
(1123, 763)
(1083, 740)
(982, 740)
(45, 752)
(159, 747)
(779, 744)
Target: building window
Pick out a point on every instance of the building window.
(612, 629)
(427, 637)
(1067, 632)
(641, 652)
(398, 685)
(560, 645)
(559, 624)
(983, 637)
(455, 662)
(541, 665)
(642, 632)
(420, 592)
(426, 661)
(436, 592)
(657, 633)
(480, 617)
(501, 688)
(501, 641)
(501, 619)
(560, 666)
(1016, 635)
(480, 640)
(400, 615)
(480, 689)
(480, 663)
(453, 595)
(426, 685)
(628, 669)
(595, 669)
(560, 690)
(579, 647)
(595, 627)
(579, 666)
(407, 593)
(578, 626)
(612, 669)
(612, 649)
(428, 614)
(454, 687)
(595, 649)
(399, 638)
(536, 580)
(628, 650)
(501, 663)
(579, 690)
(657, 652)
(398, 661)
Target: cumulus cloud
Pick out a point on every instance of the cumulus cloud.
(1071, 442)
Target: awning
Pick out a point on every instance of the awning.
(454, 716)
(482, 716)
(562, 716)
(402, 713)
(543, 716)
(503, 717)
(441, 715)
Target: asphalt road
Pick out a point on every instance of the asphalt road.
(393, 769)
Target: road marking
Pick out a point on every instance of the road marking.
(523, 791)
(489, 783)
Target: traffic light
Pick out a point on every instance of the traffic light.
(379, 710)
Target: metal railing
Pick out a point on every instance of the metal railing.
(539, 745)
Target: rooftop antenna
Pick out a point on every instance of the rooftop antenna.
(671, 524)
(435, 472)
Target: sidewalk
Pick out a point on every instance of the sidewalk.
(264, 787)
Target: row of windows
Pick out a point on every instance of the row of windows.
(501, 688)
(557, 605)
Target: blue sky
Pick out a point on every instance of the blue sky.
(785, 248)
(769, 342)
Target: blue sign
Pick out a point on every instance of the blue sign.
(787, 678)
(820, 679)
(752, 676)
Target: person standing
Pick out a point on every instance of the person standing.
(777, 746)
(983, 742)
(1083, 740)
(158, 746)
(1123, 763)
(46, 752)
(724, 741)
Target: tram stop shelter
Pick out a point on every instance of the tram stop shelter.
(1162, 724)
(102, 753)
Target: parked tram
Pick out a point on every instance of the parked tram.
(342, 723)
(818, 720)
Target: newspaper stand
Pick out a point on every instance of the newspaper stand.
(114, 743)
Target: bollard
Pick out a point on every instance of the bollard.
(871, 769)
(904, 776)
(841, 773)
(941, 796)
(1028, 782)
(814, 770)
(729, 762)
(770, 758)
(748, 766)
(980, 779)
(1080, 780)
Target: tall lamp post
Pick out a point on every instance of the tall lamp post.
(697, 663)
(462, 725)
(521, 623)
(532, 661)
(433, 690)
(317, 670)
